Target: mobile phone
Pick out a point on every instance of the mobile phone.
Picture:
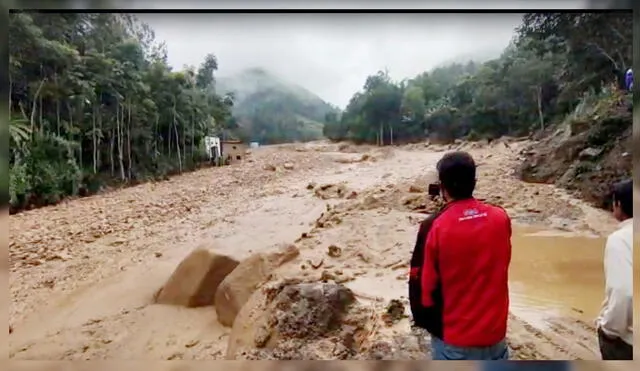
(434, 189)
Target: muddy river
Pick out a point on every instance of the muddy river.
(552, 274)
(556, 274)
(82, 290)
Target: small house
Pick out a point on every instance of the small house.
(233, 151)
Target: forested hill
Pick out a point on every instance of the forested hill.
(270, 110)
(559, 67)
(94, 102)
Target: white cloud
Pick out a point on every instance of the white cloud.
(332, 54)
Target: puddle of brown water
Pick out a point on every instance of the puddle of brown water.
(556, 274)
(552, 274)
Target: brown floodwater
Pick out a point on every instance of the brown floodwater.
(553, 274)
(556, 274)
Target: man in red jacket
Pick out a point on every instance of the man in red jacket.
(458, 286)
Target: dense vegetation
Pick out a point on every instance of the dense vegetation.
(557, 64)
(269, 110)
(92, 99)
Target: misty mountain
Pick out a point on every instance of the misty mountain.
(271, 110)
(478, 56)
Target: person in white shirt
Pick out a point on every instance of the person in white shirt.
(615, 323)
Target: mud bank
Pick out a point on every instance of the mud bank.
(83, 274)
(587, 154)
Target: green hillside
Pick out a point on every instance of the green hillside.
(270, 110)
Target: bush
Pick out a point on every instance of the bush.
(584, 167)
(473, 136)
(43, 174)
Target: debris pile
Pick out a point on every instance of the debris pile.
(328, 191)
(302, 321)
(394, 312)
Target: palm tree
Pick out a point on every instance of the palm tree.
(19, 131)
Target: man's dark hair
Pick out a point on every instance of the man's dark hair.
(623, 193)
(457, 174)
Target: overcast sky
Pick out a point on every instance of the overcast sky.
(332, 54)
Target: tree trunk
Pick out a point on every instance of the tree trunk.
(80, 149)
(112, 140)
(169, 135)
(80, 121)
(99, 150)
(57, 98)
(156, 134)
(129, 141)
(58, 116)
(184, 143)
(193, 137)
(94, 149)
(119, 133)
(175, 129)
(34, 106)
(390, 134)
(381, 134)
(70, 112)
(41, 120)
(540, 115)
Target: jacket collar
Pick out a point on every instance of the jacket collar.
(461, 201)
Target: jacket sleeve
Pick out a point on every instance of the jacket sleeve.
(415, 257)
(615, 317)
(429, 278)
(510, 231)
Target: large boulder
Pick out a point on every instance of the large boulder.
(196, 279)
(294, 320)
(237, 287)
(254, 310)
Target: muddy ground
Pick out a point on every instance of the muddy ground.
(83, 273)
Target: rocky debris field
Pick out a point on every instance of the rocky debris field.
(301, 252)
(584, 155)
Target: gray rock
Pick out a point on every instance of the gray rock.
(589, 153)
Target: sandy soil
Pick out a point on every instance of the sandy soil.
(288, 366)
(83, 273)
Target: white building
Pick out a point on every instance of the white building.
(212, 145)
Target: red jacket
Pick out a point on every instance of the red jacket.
(464, 273)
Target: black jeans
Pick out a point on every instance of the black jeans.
(613, 348)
